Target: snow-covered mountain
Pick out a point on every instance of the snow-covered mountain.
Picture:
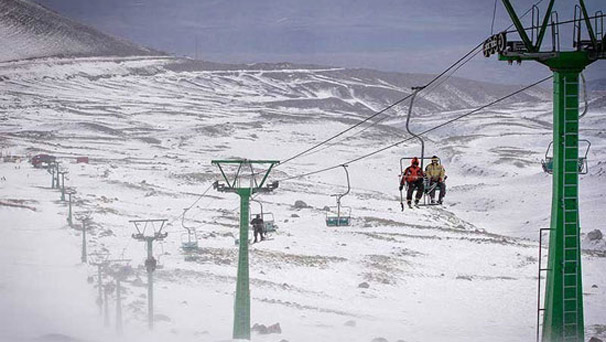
(465, 271)
(29, 30)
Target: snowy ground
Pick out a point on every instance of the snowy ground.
(465, 271)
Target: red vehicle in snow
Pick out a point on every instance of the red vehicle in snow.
(42, 160)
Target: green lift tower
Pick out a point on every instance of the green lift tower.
(563, 300)
(242, 305)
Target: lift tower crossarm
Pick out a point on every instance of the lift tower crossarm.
(518, 25)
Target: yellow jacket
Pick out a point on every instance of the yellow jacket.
(435, 172)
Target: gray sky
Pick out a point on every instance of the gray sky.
(393, 35)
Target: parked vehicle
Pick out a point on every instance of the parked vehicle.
(42, 160)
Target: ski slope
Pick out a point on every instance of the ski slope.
(150, 126)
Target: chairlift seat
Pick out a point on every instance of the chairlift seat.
(339, 215)
(334, 220)
(269, 227)
(189, 243)
(547, 165)
(269, 223)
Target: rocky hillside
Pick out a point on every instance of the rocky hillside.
(29, 30)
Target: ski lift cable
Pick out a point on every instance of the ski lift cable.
(382, 111)
(432, 88)
(182, 215)
(404, 98)
(387, 116)
(429, 90)
(421, 133)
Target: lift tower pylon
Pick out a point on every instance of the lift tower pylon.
(147, 235)
(563, 303)
(241, 329)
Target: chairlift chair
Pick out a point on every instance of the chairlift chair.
(269, 223)
(583, 168)
(189, 240)
(339, 215)
(426, 182)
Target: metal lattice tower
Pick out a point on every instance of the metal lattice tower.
(241, 328)
(563, 305)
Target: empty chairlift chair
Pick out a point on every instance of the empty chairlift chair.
(583, 168)
(189, 240)
(339, 215)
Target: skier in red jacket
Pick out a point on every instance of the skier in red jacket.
(413, 178)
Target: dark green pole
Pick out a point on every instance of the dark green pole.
(242, 306)
(563, 319)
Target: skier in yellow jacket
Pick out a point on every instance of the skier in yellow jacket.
(436, 174)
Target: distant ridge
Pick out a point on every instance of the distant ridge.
(29, 30)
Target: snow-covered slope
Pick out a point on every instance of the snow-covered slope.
(465, 271)
(28, 30)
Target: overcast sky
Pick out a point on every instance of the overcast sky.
(422, 36)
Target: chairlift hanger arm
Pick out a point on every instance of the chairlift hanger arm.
(183, 222)
(339, 196)
(414, 94)
(260, 205)
(348, 183)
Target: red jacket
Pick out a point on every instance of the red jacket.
(412, 174)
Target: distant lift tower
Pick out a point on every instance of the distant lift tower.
(242, 306)
(563, 304)
(150, 231)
